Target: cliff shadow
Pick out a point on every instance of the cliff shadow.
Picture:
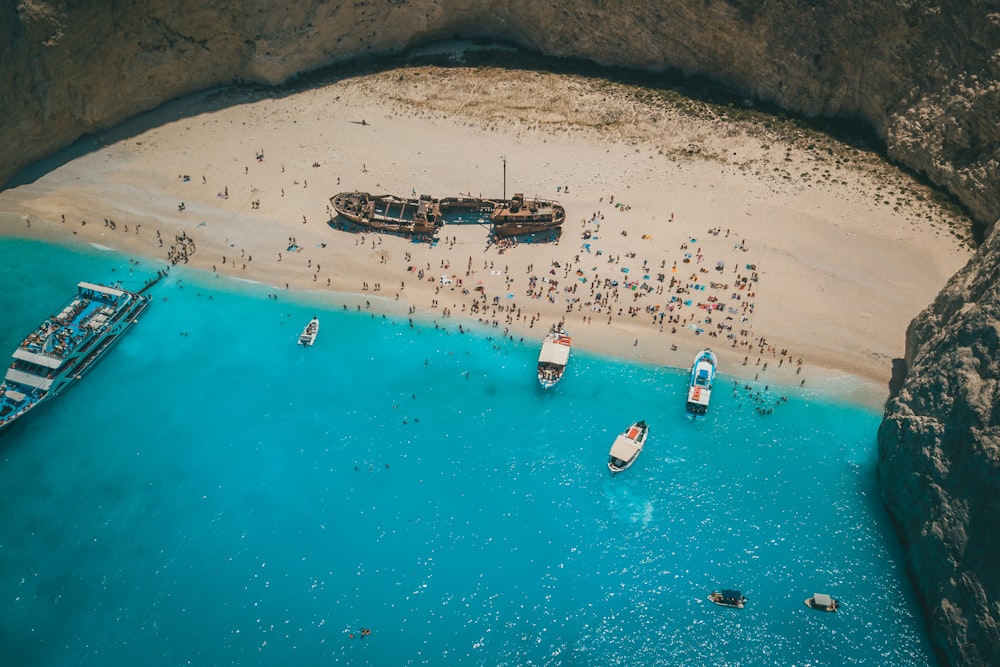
(457, 54)
(186, 106)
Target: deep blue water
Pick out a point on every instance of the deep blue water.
(214, 494)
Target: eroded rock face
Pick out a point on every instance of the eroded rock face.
(925, 75)
(939, 460)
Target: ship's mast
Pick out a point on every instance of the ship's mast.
(505, 178)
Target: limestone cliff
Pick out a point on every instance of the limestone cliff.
(924, 75)
(939, 460)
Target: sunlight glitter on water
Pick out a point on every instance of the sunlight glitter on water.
(221, 498)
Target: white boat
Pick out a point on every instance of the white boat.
(63, 347)
(822, 602)
(308, 335)
(627, 446)
(553, 358)
(700, 386)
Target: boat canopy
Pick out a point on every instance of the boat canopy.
(101, 289)
(46, 360)
(624, 448)
(822, 600)
(699, 395)
(554, 353)
(15, 395)
(730, 594)
(29, 379)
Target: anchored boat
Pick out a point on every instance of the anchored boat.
(65, 345)
(627, 446)
(419, 216)
(700, 385)
(553, 357)
(308, 335)
(823, 602)
(728, 598)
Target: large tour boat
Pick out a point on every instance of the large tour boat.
(627, 446)
(700, 385)
(65, 345)
(553, 357)
(418, 216)
(518, 215)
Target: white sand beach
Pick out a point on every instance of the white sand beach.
(838, 249)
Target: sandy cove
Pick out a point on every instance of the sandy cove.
(828, 253)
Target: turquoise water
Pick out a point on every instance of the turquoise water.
(213, 493)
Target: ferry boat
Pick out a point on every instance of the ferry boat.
(524, 216)
(823, 602)
(418, 216)
(553, 357)
(700, 385)
(627, 446)
(65, 345)
(728, 598)
(308, 335)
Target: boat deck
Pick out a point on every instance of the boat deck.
(60, 334)
(65, 344)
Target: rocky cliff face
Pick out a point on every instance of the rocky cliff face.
(925, 75)
(939, 460)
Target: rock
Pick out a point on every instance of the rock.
(923, 75)
(939, 461)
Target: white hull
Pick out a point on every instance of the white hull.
(65, 346)
(700, 384)
(308, 335)
(627, 447)
(553, 358)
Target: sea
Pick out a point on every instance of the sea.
(404, 493)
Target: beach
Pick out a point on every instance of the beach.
(794, 257)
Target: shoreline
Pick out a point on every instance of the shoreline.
(826, 255)
(827, 383)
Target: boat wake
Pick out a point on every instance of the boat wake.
(629, 506)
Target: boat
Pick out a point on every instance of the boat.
(308, 335)
(728, 598)
(63, 347)
(553, 357)
(822, 602)
(627, 446)
(417, 216)
(515, 216)
(700, 386)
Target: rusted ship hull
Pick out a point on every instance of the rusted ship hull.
(518, 215)
(518, 228)
(420, 216)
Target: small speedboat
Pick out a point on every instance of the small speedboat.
(308, 335)
(700, 385)
(822, 602)
(627, 446)
(553, 357)
(728, 598)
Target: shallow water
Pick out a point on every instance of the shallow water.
(213, 493)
